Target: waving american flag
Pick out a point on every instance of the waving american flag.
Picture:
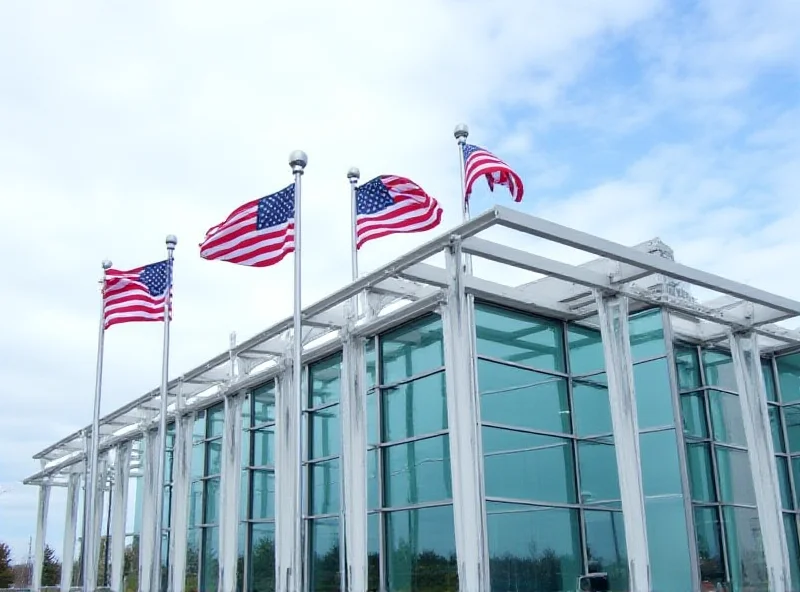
(479, 162)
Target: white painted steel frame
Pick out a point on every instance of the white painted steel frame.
(70, 529)
(149, 485)
(41, 535)
(119, 514)
(760, 450)
(179, 517)
(230, 492)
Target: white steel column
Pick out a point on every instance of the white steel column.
(146, 542)
(119, 513)
(288, 502)
(181, 482)
(755, 416)
(354, 461)
(70, 530)
(463, 418)
(230, 494)
(613, 316)
(95, 530)
(41, 534)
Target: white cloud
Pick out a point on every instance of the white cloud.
(120, 124)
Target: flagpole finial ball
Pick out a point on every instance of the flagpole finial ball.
(172, 240)
(107, 264)
(298, 160)
(461, 131)
(354, 174)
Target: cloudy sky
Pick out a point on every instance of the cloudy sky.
(123, 122)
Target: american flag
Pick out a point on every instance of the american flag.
(389, 204)
(258, 234)
(479, 162)
(136, 294)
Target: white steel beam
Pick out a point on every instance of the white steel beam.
(149, 496)
(70, 529)
(463, 419)
(354, 461)
(564, 235)
(755, 416)
(119, 514)
(288, 502)
(613, 320)
(230, 483)
(179, 520)
(41, 535)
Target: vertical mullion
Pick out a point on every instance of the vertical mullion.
(784, 432)
(382, 575)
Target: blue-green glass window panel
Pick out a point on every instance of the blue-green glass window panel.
(417, 472)
(210, 560)
(769, 380)
(668, 544)
(199, 427)
(709, 545)
(216, 420)
(693, 413)
(420, 550)
(748, 570)
(776, 428)
(373, 501)
(372, 418)
(264, 404)
(324, 435)
(533, 549)
(701, 472)
(195, 504)
(412, 349)
(371, 362)
(726, 418)
(782, 464)
(373, 552)
(735, 479)
(324, 487)
(718, 368)
(323, 566)
(247, 411)
(796, 476)
(605, 547)
(790, 526)
(653, 394)
(169, 461)
(246, 448)
(688, 368)
(519, 465)
(789, 377)
(244, 495)
(520, 338)
(325, 381)
(262, 557)
(415, 408)
(791, 414)
(585, 350)
(211, 501)
(192, 559)
(264, 447)
(213, 457)
(523, 398)
(590, 406)
(166, 505)
(646, 335)
(660, 469)
(597, 462)
(263, 494)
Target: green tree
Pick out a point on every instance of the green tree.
(51, 568)
(6, 575)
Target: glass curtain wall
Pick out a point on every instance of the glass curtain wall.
(202, 561)
(323, 449)
(166, 514)
(409, 491)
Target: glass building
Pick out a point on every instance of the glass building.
(596, 427)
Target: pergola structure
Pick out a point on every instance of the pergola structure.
(599, 293)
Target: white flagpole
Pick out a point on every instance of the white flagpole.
(461, 132)
(155, 580)
(353, 175)
(90, 491)
(298, 160)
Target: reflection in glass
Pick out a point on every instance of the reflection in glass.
(264, 404)
(789, 377)
(735, 479)
(688, 367)
(726, 418)
(605, 547)
(660, 469)
(668, 544)
(373, 549)
(524, 398)
(791, 415)
(776, 428)
(769, 380)
(372, 480)
(790, 526)
(216, 420)
(415, 408)
(210, 560)
(533, 549)
(653, 394)
(263, 495)
(211, 501)
(693, 413)
(264, 447)
(520, 465)
(597, 462)
(783, 482)
(417, 472)
(718, 367)
(324, 487)
(709, 546)
(520, 338)
(324, 436)
(746, 562)
(412, 349)
(647, 335)
(420, 550)
(262, 557)
(324, 565)
(701, 475)
(590, 405)
(325, 381)
(585, 350)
